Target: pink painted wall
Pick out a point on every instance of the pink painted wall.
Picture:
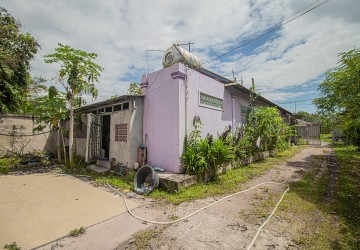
(165, 120)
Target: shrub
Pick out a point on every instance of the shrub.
(265, 131)
(203, 155)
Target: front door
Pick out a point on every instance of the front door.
(105, 136)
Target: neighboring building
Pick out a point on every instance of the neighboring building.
(111, 129)
(174, 95)
(17, 136)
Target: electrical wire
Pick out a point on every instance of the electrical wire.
(276, 27)
(20, 131)
(297, 101)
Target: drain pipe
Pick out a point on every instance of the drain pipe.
(233, 113)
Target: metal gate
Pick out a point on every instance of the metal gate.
(308, 134)
(94, 138)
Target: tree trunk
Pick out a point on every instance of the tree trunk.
(64, 148)
(58, 142)
(71, 135)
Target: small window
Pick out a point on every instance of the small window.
(118, 107)
(126, 105)
(108, 109)
(244, 110)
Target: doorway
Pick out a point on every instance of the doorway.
(105, 136)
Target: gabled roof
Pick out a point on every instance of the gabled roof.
(240, 87)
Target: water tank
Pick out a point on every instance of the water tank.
(176, 54)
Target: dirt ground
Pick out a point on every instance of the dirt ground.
(232, 223)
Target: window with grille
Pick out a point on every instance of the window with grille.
(121, 132)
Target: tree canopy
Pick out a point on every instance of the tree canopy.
(78, 75)
(16, 51)
(341, 93)
(134, 89)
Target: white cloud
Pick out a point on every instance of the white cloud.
(120, 32)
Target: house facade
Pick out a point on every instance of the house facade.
(111, 129)
(174, 95)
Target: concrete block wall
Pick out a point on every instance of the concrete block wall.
(21, 126)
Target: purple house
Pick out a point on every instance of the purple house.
(174, 95)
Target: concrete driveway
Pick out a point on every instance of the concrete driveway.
(37, 209)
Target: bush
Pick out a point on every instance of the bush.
(202, 155)
(265, 131)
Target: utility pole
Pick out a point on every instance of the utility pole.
(295, 107)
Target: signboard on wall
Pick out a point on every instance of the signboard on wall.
(209, 101)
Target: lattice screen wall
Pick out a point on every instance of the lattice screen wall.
(121, 132)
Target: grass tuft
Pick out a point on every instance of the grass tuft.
(12, 246)
(123, 183)
(77, 231)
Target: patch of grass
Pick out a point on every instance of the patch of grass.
(325, 138)
(348, 192)
(121, 182)
(77, 231)
(142, 239)
(227, 182)
(317, 224)
(7, 163)
(12, 246)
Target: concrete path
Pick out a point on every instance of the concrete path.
(107, 235)
(37, 209)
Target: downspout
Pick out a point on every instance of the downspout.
(233, 113)
(186, 100)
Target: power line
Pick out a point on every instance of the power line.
(272, 29)
(298, 101)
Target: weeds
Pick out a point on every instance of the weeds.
(142, 239)
(317, 224)
(124, 183)
(12, 246)
(77, 231)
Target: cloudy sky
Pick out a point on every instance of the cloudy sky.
(287, 64)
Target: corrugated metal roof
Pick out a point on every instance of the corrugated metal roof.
(109, 102)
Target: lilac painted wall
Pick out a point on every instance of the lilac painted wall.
(165, 119)
(161, 118)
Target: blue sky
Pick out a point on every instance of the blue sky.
(288, 65)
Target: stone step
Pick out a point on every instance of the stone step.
(173, 182)
(98, 169)
(103, 163)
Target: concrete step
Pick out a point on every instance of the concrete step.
(98, 169)
(103, 163)
(173, 182)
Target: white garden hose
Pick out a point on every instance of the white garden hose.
(197, 211)
(267, 220)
